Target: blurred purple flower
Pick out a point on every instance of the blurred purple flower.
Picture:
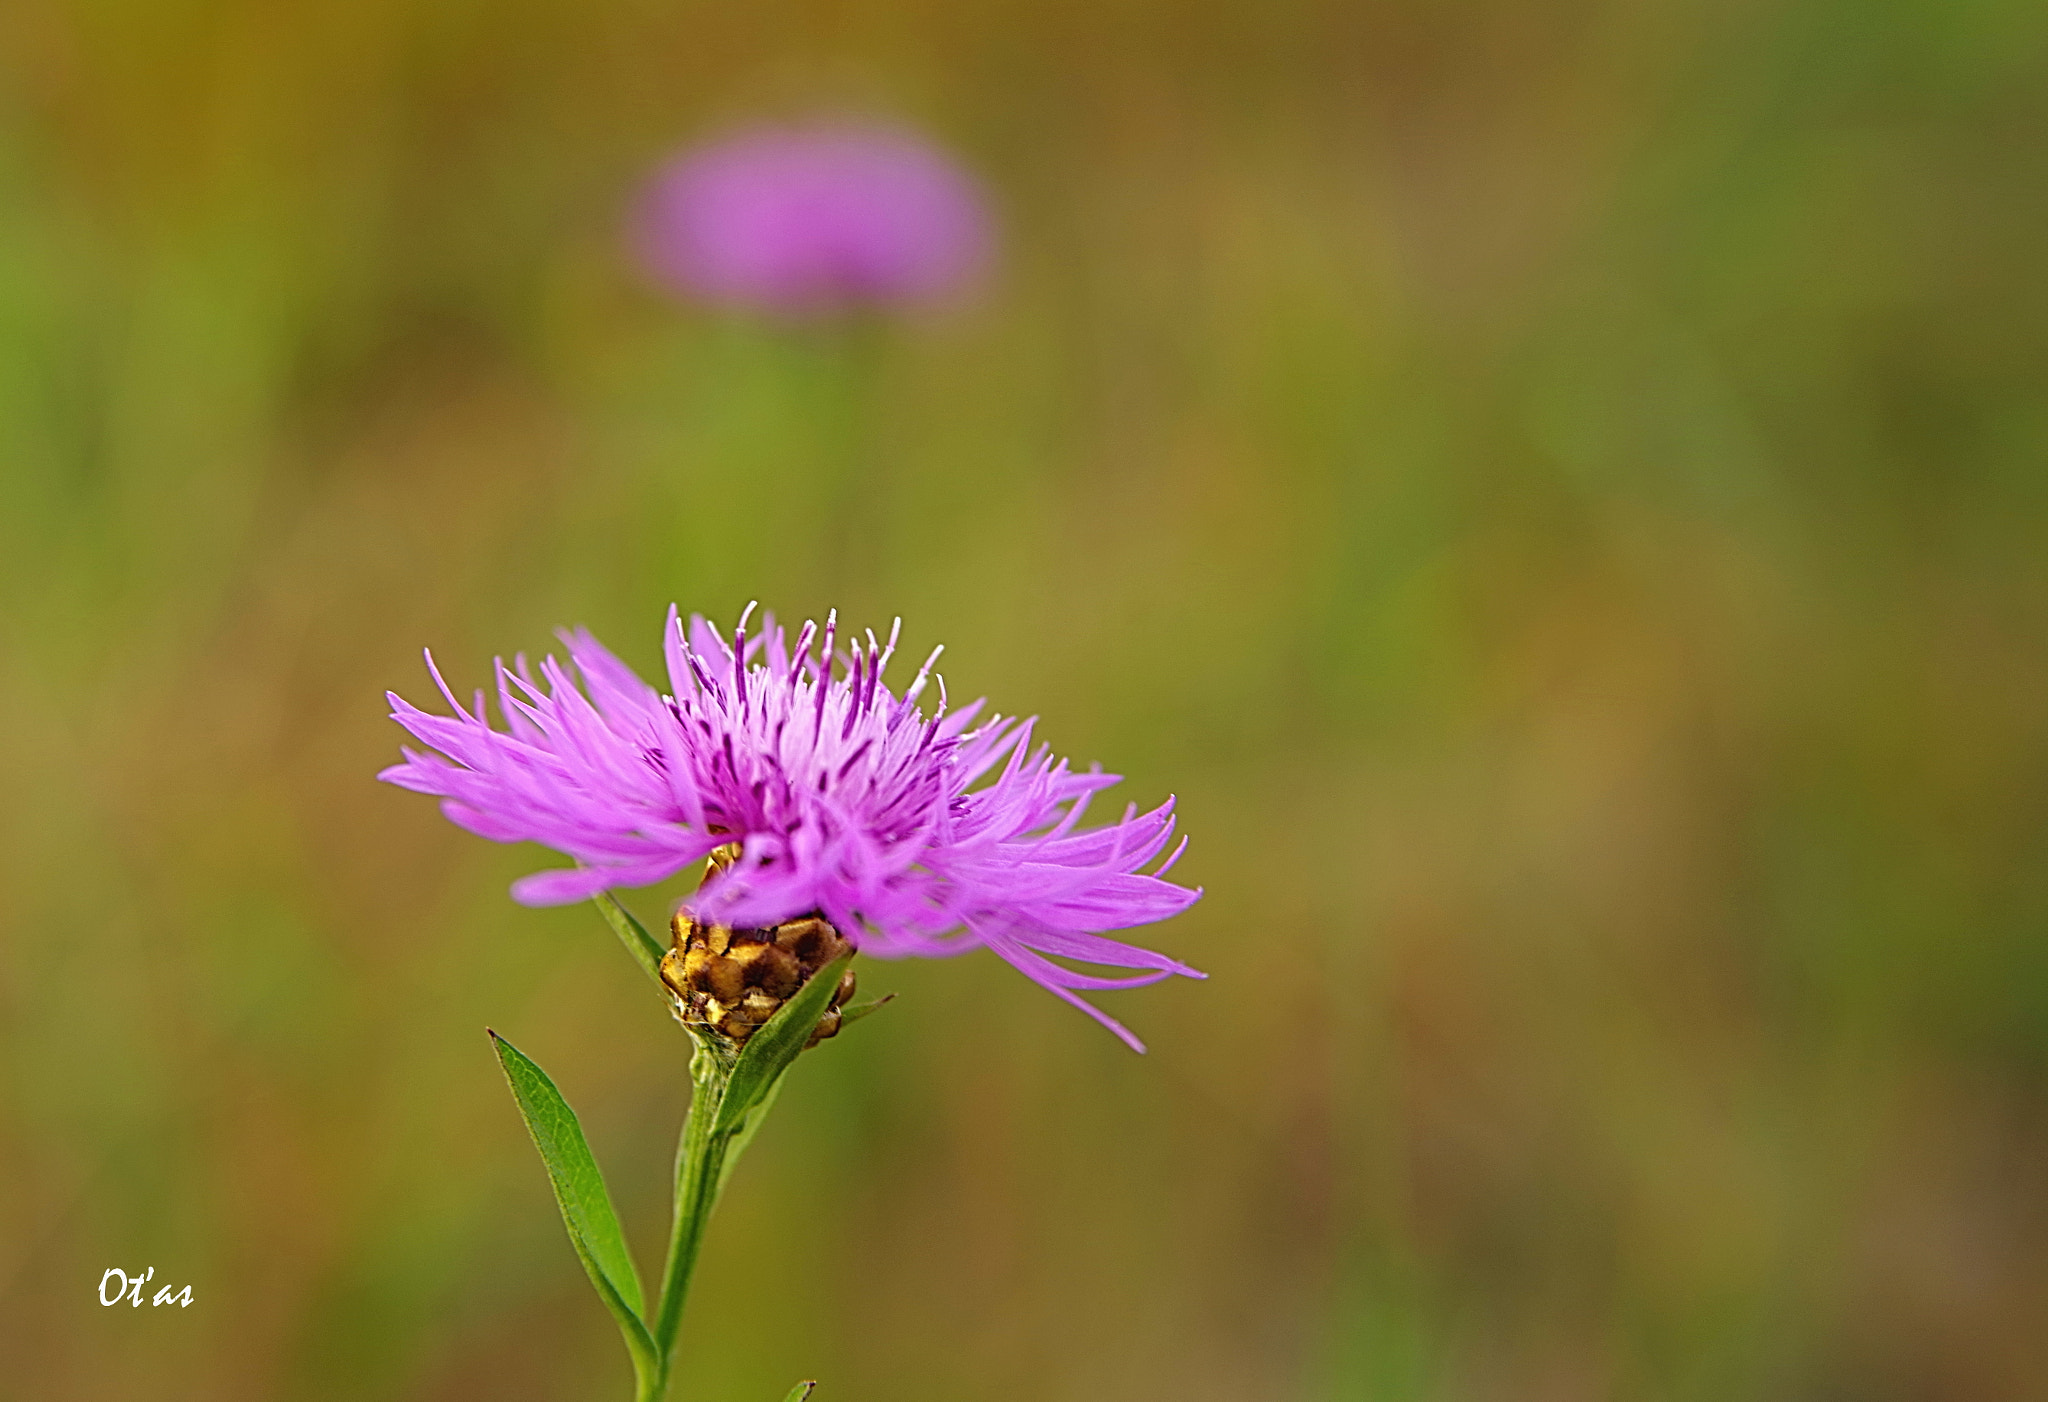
(846, 799)
(813, 218)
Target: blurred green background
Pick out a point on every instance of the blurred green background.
(1557, 490)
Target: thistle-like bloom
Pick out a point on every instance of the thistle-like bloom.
(814, 218)
(911, 834)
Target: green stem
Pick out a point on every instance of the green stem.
(700, 1161)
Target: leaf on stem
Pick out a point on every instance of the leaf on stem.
(775, 1044)
(854, 1012)
(644, 948)
(749, 1126)
(579, 1188)
(800, 1391)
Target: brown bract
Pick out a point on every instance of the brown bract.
(730, 981)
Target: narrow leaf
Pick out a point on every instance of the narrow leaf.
(749, 1126)
(644, 948)
(800, 1392)
(775, 1044)
(579, 1189)
(854, 1012)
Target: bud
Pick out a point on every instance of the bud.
(730, 981)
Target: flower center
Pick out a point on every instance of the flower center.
(733, 980)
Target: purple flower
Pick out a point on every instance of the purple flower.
(913, 834)
(811, 218)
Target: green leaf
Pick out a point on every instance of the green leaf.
(579, 1188)
(775, 1044)
(800, 1392)
(854, 1012)
(644, 948)
(750, 1125)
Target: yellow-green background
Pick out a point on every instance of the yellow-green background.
(1557, 490)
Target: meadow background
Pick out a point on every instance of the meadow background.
(1557, 490)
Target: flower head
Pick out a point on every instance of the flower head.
(811, 218)
(912, 834)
